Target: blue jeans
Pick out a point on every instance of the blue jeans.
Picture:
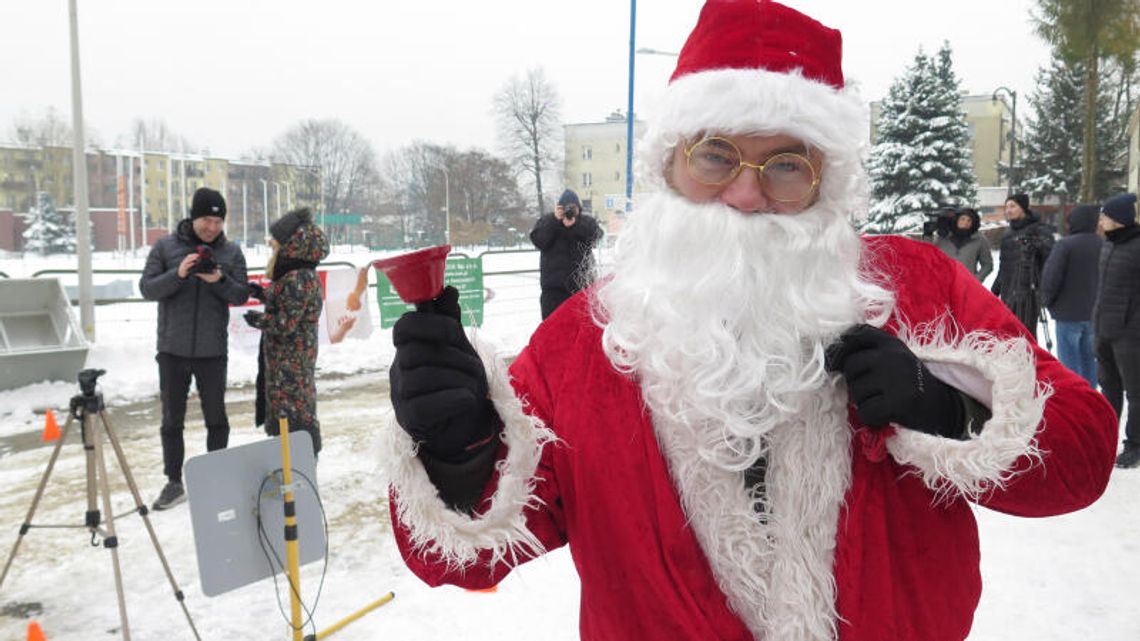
(1075, 348)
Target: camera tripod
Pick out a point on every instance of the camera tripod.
(84, 407)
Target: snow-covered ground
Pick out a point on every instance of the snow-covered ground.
(1049, 579)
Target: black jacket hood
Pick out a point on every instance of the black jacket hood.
(1083, 219)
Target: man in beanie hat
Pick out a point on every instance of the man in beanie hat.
(756, 424)
(1024, 250)
(1115, 321)
(565, 239)
(195, 274)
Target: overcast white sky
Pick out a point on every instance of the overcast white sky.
(231, 75)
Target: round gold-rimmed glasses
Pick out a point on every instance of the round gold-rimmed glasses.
(785, 177)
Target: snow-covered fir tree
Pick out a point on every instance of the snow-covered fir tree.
(47, 232)
(1054, 140)
(1051, 151)
(922, 159)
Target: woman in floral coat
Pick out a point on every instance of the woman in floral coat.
(293, 302)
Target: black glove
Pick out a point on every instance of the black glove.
(439, 386)
(256, 291)
(252, 318)
(888, 384)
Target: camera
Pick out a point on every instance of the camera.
(206, 263)
(940, 221)
(87, 379)
(569, 212)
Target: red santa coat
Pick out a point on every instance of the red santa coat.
(871, 537)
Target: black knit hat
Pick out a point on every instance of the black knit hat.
(1121, 208)
(207, 202)
(287, 224)
(568, 197)
(1022, 201)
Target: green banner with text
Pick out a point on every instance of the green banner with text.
(464, 274)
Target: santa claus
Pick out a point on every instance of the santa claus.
(757, 425)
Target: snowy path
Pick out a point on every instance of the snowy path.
(1046, 580)
(1056, 579)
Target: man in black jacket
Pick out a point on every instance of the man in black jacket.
(195, 274)
(565, 239)
(1068, 290)
(1116, 319)
(1024, 249)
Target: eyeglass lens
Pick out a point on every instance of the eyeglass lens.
(786, 176)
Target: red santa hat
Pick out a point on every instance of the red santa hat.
(756, 66)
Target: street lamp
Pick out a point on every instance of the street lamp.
(1012, 133)
(79, 179)
(315, 171)
(629, 110)
(244, 216)
(629, 107)
(265, 205)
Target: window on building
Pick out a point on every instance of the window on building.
(587, 152)
(587, 179)
(587, 205)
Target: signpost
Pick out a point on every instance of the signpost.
(464, 274)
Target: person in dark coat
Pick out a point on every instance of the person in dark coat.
(964, 244)
(195, 274)
(1068, 290)
(1024, 249)
(1116, 321)
(565, 240)
(293, 303)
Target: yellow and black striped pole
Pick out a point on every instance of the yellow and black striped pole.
(292, 549)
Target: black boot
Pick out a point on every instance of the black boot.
(1130, 457)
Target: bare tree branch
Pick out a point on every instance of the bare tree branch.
(529, 124)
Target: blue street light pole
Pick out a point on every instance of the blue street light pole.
(629, 111)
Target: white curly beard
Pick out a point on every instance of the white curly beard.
(724, 317)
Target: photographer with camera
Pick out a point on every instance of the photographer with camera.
(565, 240)
(1024, 249)
(194, 274)
(959, 239)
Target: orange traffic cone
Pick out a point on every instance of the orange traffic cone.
(35, 633)
(51, 428)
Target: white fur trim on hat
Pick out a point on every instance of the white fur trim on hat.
(983, 462)
(754, 101)
(455, 537)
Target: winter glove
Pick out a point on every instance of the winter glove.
(438, 384)
(252, 318)
(888, 384)
(257, 292)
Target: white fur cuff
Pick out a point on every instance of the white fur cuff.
(456, 537)
(983, 462)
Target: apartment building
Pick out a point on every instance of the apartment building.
(595, 165)
(136, 197)
(988, 122)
